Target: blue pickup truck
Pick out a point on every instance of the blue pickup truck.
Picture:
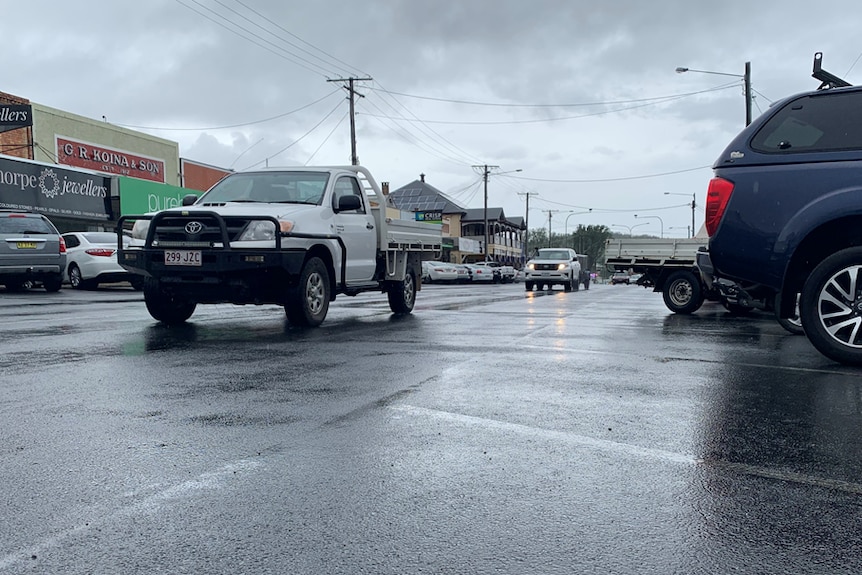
(784, 215)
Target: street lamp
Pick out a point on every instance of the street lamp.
(686, 228)
(566, 226)
(659, 220)
(486, 171)
(746, 81)
(693, 197)
(629, 228)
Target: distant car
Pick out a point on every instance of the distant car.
(620, 278)
(438, 272)
(484, 274)
(91, 259)
(465, 275)
(503, 273)
(31, 250)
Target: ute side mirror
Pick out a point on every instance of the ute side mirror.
(348, 203)
(189, 199)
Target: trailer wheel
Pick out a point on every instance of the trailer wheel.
(164, 307)
(307, 302)
(402, 295)
(682, 293)
(831, 306)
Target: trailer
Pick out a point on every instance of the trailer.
(681, 270)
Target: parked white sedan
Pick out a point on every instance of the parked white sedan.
(438, 272)
(91, 259)
(482, 273)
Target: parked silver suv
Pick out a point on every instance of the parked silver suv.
(31, 249)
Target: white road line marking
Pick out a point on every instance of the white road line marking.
(205, 481)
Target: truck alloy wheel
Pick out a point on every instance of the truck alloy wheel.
(402, 295)
(308, 301)
(682, 293)
(831, 306)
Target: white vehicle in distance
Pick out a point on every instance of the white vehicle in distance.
(552, 266)
(482, 273)
(435, 272)
(504, 273)
(91, 259)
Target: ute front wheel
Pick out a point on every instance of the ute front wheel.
(402, 295)
(164, 307)
(308, 302)
(682, 293)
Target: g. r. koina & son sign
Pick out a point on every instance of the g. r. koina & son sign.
(103, 159)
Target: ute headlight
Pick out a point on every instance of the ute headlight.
(140, 228)
(562, 267)
(258, 230)
(531, 266)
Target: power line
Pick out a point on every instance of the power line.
(600, 180)
(298, 60)
(233, 125)
(558, 105)
(267, 159)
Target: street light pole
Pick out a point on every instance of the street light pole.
(746, 82)
(693, 200)
(629, 228)
(566, 226)
(660, 221)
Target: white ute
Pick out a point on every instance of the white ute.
(553, 266)
(289, 236)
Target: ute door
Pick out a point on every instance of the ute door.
(357, 230)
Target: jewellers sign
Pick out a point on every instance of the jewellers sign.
(54, 191)
(103, 159)
(14, 116)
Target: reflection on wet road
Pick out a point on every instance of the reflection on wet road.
(490, 431)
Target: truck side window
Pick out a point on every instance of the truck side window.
(346, 186)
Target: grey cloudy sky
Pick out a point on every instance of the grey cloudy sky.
(582, 97)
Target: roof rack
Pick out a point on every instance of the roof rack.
(827, 80)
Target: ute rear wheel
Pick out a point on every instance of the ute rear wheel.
(308, 301)
(682, 293)
(831, 306)
(165, 307)
(402, 295)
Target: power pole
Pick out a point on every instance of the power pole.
(527, 222)
(550, 216)
(354, 159)
(485, 173)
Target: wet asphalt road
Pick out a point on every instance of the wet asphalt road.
(490, 432)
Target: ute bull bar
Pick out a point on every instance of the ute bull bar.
(129, 256)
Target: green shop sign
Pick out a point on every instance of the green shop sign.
(142, 196)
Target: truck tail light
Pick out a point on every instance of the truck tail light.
(100, 252)
(717, 196)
